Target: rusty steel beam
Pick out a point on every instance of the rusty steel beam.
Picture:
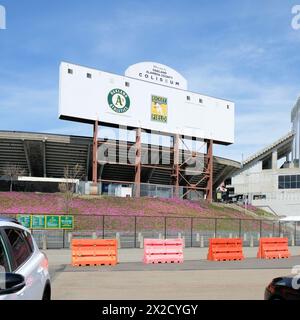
(138, 163)
(209, 187)
(176, 165)
(95, 147)
(88, 157)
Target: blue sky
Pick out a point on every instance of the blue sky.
(244, 51)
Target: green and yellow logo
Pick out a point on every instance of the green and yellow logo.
(118, 100)
(159, 109)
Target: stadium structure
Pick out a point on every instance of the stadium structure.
(151, 99)
(43, 158)
(271, 177)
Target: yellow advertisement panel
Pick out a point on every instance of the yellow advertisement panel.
(159, 109)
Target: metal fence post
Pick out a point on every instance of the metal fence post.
(44, 240)
(63, 238)
(165, 227)
(260, 228)
(240, 228)
(279, 229)
(135, 231)
(216, 228)
(192, 232)
(295, 233)
(103, 230)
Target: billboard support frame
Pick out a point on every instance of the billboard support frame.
(209, 188)
(95, 147)
(176, 166)
(138, 165)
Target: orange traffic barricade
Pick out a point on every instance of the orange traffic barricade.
(94, 252)
(163, 251)
(273, 248)
(225, 249)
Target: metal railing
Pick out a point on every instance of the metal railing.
(196, 231)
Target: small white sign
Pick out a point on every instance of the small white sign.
(157, 73)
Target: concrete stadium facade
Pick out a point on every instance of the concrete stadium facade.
(271, 177)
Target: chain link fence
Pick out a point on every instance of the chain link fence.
(196, 231)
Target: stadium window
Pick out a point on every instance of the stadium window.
(127, 84)
(200, 100)
(298, 181)
(294, 182)
(228, 106)
(289, 182)
(188, 98)
(280, 182)
(89, 75)
(70, 71)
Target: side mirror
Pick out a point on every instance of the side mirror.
(11, 283)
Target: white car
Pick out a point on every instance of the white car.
(24, 273)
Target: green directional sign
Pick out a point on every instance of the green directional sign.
(38, 222)
(46, 221)
(25, 220)
(52, 222)
(66, 222)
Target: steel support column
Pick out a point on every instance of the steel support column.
(95, 147)
(209, 187)
(88, 156)
(176, 165)
(138, 165)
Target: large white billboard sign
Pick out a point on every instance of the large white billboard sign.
(157, 102)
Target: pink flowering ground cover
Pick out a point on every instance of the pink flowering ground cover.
(19, 202)
(120, 210)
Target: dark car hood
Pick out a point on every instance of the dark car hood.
(285, 281)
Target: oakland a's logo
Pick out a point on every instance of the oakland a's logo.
(118, 100)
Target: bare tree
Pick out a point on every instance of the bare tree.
(67, 188)
(13, 171)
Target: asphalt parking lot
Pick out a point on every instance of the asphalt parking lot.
(196, 278)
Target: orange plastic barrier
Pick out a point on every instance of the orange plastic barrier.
(273, 248)
(94, 252)
(163, 251)
(224, 249)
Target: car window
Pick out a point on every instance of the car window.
(3, 257)
(20, 248)
(28, 238)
